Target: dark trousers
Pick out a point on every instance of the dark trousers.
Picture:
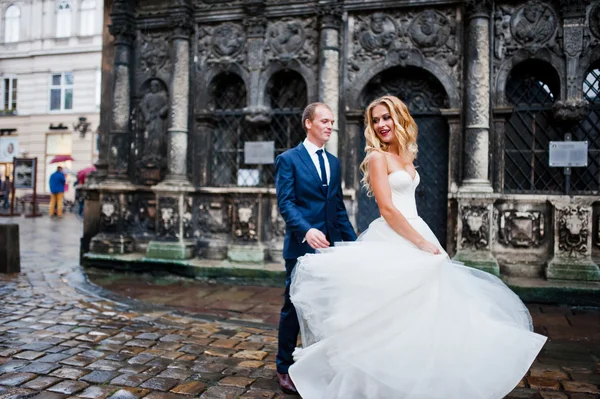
(289, 327)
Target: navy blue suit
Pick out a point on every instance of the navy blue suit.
(304, 203)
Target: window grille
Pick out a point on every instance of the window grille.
(532, 89)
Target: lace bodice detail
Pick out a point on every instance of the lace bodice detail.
(403, 192)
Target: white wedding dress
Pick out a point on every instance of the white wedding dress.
(381, 319)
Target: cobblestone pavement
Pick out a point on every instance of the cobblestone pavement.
(57, 341)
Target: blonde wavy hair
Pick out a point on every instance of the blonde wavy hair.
(405, 130)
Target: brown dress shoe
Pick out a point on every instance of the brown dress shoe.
(286, 384)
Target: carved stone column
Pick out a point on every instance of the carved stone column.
(573, 241)
(174, 236)
(477, 99)
(474, 228)
(329, 65)
(256, 112)
(177, 141)
(122, 29)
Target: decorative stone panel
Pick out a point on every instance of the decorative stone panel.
(245, 220)
(400, 36)
(521, 229)
(221, 44)
(475, 227)
(168, 218)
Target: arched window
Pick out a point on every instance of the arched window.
(587, 180)
(12, 18)
(287, 95)
(229, 96)
(87, 17)
(63, 18)
(532, 88)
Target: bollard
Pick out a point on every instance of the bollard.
(10, 256)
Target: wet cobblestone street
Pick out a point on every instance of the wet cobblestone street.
(134, 337)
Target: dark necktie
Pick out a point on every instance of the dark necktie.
(322, 165)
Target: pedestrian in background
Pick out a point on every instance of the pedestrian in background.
(6, 188)
(57, 190)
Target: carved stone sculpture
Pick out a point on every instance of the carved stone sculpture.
(521, 229)
(475, 230)
(154, 109)
(533, 24)
(245, 224)
(109, 212)
(228, 40)
(168, 218)
(573, 231)
(154, 54)
(380, 35)
(430, 29)
(594, 21)
(286, 37)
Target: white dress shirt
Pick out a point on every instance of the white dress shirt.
(312, 151)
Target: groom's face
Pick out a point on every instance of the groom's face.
(319, 129)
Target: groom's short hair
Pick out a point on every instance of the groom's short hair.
(310, 110)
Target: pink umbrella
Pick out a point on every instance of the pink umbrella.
(83, 173)
(61, 158)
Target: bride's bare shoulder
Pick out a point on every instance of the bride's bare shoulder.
(377, 160)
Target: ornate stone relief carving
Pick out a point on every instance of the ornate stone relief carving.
(379, 36)
(110, 211)
(168, 217)
(245, 220)
(146, 218)
(594, 20)
(213, 217)
(187, 218)
(289, 39)
(573, 230)
(531, 26)
(154, 54)
(223, 43)
(277, 223)
(475, 227)
(521, 229)
(152, 124)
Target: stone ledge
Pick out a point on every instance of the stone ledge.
(565, 292)
(195, 267)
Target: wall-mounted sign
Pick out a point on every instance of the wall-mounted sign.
(259, 152)
(572, 154)
(9, 148)
(25, 170)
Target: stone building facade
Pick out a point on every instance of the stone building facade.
(50, 54)
(490, 85)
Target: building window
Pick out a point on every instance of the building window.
(56, 144)
(87, 17)
(532, 88)
(61, 92)
(63, 19)
(12, 18)
(9, 94)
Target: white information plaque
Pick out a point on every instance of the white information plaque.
(571, 154)
(259, 152)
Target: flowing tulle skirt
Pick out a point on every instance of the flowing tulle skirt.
(381, 319)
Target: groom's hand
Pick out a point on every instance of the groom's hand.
(316, 239)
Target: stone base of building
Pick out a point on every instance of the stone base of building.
(169, 250)
(112, 243)
(560, 269)
(481, 261)
(252, 253)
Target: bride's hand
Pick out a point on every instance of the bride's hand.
(429, 247)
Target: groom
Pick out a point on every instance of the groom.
(309, 195)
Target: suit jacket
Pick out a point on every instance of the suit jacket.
(304, 203)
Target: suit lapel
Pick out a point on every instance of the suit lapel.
(305, 157)
(333, 170)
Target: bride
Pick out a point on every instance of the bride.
(391, 316)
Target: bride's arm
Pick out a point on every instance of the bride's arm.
(378, 179)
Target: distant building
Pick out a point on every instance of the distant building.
(198, 88)
(50, 54)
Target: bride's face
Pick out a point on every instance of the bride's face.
(383, 124)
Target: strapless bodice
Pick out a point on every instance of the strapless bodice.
(403, 192)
